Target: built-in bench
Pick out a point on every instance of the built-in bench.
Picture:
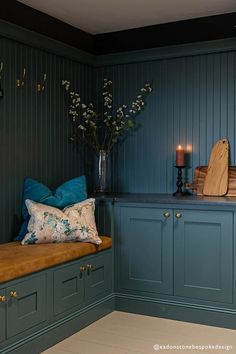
(50, 291)
(17, 260)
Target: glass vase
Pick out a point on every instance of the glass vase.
(103, 172)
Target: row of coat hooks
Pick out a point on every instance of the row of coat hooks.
(40, 87)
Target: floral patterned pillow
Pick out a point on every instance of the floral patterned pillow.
(48, 224)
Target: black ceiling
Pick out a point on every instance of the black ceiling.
(174, 33)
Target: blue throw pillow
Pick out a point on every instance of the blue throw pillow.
(68, 193)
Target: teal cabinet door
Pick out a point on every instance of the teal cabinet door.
(28, 308)
(98, 280)
(2, 315)
(145, 244)
(203, 245)
(68, 287)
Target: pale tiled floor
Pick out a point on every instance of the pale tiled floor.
(125, 333)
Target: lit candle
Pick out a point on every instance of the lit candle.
(179, 156)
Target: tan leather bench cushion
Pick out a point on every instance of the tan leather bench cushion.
(17, 260)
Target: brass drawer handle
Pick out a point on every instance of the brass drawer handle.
(3, 299)
(166, 215)
(13, 294)
(89, 268)
(178, 215)
(82, 268)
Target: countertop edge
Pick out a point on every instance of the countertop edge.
(154, 198)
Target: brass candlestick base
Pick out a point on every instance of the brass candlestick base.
(179, 183)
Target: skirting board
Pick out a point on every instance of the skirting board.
(65, 327)
(61, 329)
(175, 311)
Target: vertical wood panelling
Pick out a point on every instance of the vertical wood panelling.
(34, 126)
(193, 104)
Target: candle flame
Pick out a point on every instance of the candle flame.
(179, 147)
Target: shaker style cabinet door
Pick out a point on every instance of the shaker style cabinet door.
(26, 305)
(2, 315)
(203, 245)
(98, 276)
(145, 247)
(68, 286)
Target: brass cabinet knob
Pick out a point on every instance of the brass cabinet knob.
(178, 215)
(3, 299)
(82, 268)
(13, 294)
(166, 215)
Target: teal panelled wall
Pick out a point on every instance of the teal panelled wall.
(34, 126)
(193, 104)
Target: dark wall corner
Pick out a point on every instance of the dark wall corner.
(173, 33)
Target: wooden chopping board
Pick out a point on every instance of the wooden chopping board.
(216, 181)
(200, 175)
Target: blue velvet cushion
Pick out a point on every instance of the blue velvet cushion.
(68, 193)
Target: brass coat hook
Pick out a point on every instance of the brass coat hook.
(41, 87)
(1, 69)
(20, 83)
